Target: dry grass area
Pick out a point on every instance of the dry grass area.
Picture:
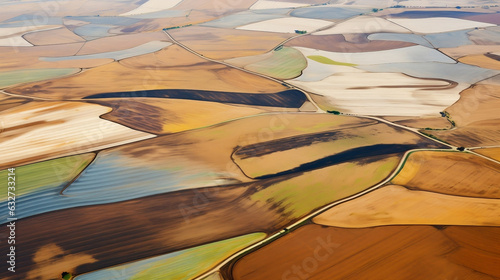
(122, 76)
(392, 252)
(450, 173)
(39, 131)
(396, 205)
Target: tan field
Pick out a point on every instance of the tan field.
(492, 153)
(450, 173)
(161, 116)
(237, 43)
(477, 118)
(467, 50)
(481, 61)
(338, 43)
(219, 142)
(157, 24)
(396, 205)
(392, 252)
(39, 131)
(181, 220)
(27, 57)
(118, 77)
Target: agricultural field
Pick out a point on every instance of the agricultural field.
(249, 139)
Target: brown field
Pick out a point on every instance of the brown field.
(422, 122)
(117, 77)
(53, 37)
(481, 61)
(477, 118)
(391, 252)
(338, 43)
(237, 43)
(171, 222)
(450, 173)
(161, 116)
(216, 7)
(27, 57)
(220, 141)
(492, 153)
(342, 143)
(396, 205)
(39, 131)
(7, 102)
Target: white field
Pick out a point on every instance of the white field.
(152, 6)
(408, 54)
(286, 25)
(42, 130)
(265, 4)
(364, 24)
(12, 36)
(438, 24)
(384, 94)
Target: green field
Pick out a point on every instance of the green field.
(326, 60)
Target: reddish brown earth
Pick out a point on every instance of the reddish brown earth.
(390, 252)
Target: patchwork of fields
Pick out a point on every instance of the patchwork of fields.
(252, 139)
